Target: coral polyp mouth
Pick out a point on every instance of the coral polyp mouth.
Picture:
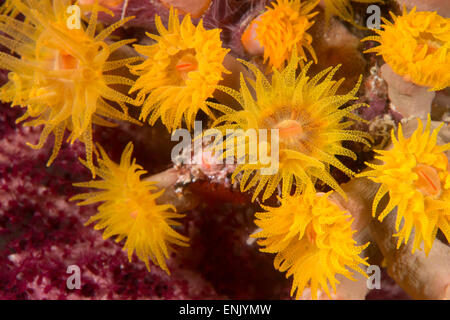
(428, 181)
(289, 128)
(132, 205)
(186, 64)
(310, 233)
(134, 214)
(427, 39)
(66, 61)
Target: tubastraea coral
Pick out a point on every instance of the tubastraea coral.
(313, 241)
(307, 116)
(281, 30)
(61, 73)
(415, 174)
(343, 9)
(129, 210)
(423, 54)
(182, 70)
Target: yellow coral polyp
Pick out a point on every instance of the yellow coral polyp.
(313, 241)
(129, 210)
(415, 174)
(183, 68)
(283, 28)
(60, 74)
(423, 54)
(309, 118)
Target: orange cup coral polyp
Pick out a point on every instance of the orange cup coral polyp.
(282, 29)
(416, 46)
(61, 73)
(309, 118)
(415, 174)
(312, 239)
(129, 211)
(183, 68)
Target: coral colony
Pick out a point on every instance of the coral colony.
(322, 152)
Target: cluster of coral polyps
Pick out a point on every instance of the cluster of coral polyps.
(104, 90)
